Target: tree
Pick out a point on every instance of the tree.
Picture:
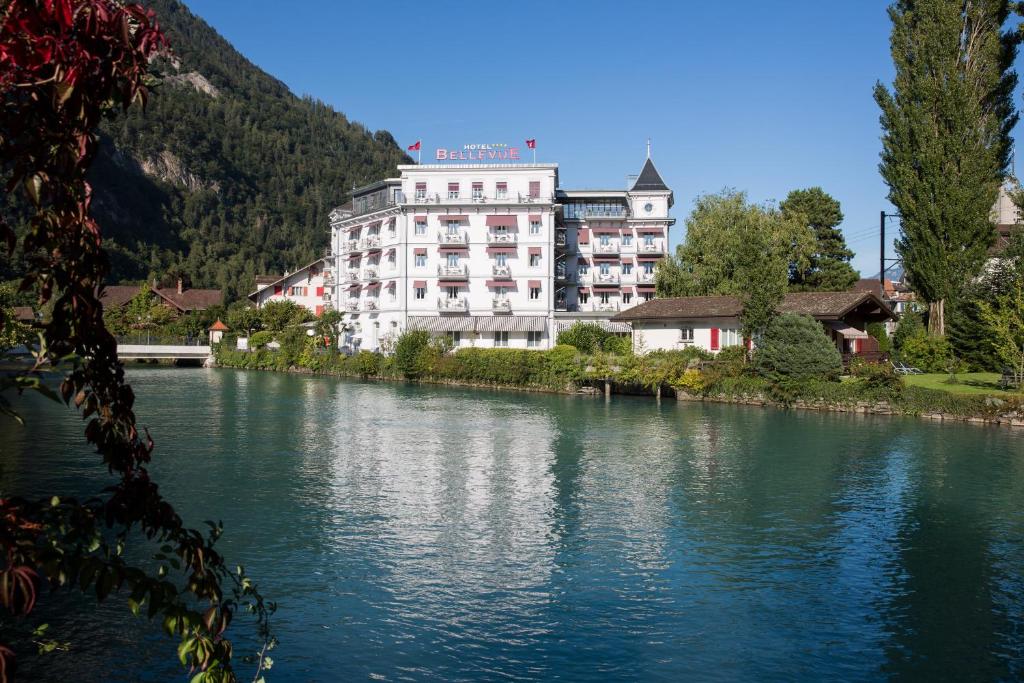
(1006, 320)
(278, 315)
(738, 248)
(796, 347)
(828, 267)
(408, 351)
(65, 64)
(946, 141)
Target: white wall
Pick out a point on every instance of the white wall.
(666, 335)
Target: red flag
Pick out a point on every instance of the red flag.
(416, 147)
(531, 143)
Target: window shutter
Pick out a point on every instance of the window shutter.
(714, 339)
(319, 291)
(319, 310)
(277, 289)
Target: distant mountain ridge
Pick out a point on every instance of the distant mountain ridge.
(226, 174)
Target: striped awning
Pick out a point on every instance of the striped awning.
(606, 325)
(436, 323)
(511, 323)
(847, 331)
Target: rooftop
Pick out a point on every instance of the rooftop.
(820, 305)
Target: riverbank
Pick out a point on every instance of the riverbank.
(563, 370)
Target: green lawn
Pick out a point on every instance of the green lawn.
(968, 383)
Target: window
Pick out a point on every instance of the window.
(453, 227)
(500, 339)
(534, 260)
(649, 240)
(648, 296)
(501, 293)
(627, 240)
(535, 293)
(391, 258)
(421, 190)
(391, 227)
(392, 293)
(297, 291)
(453, 260)
(605, 297)
(421, 227)
(605, 268)
(627, 268)
(731, 337)
(454, 338)
(686, 335)
(421, 260)
(501, 230)
(421, 292)
(648, 268)
(605, 240)
(534, 188)
(453, 190)
(533, 339)
(584, 297)
(478, 190)
(534, 227)
(582, 268)
(501, 259)
(627, 298)
(452, 292)
(501, 190)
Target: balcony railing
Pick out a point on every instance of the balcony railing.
(610, 306)
(370, 305)
(582, 278)
(609, 248)
(606, 278)
(453, 271)
(456, 305)
(644, 276)
(352, 305)
(502, 271)
(501, 238)
(352, 275)
(501, 306)
(563, 276)
(453, 237)
(370, 242)
(654, 247)
(560, 239)
(352, 245)
(506, 198)
(370, 274)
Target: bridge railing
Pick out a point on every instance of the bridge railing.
(160, 340)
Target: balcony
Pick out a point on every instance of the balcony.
(598, 306)
(501, 238)
(453, 272)
(352, 275)
(454, 305)
(563, 276)
(560, 238)
(328, 278)
(501, 271)
(370, 305)
(655, 247)
(611, 247)
(452, 238)
(482, 198)
(352, 305)
(328, 296)
(370, 242)
(370, 274)
(582, 278)
(606, 278)
(352, 245)
(501, 306)
(645, 277)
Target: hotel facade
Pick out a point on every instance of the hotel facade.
(491, 254)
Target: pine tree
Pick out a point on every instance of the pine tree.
(946, 137)
(829, 269)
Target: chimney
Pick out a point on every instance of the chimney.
(180, 288)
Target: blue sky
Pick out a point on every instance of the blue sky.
(760, 96)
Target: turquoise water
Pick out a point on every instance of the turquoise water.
(418, 533)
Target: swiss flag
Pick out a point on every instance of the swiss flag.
(416, 147)
(531, 143)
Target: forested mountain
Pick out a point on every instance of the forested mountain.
(226, 174)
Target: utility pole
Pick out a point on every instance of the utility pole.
(882, 215)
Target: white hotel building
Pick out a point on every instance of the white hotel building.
(492, 255)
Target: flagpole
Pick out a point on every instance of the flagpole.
(419, 151)
(535, 154)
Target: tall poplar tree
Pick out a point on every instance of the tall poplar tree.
(946, 143)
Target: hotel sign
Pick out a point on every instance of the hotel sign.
(484, 152)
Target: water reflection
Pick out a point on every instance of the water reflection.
(423, 533)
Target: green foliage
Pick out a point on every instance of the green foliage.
(828, 267)
(1005, 318)
(409, 351)
(258, 340)
(795, 347)
(242, 317)
(590, 338)
(279, 315)
(877, 376)
(367, 364)
(927, 352)
(731, 361)
(877, 331)
(910, 325)
(946, 142)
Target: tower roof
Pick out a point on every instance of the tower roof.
(649, 179)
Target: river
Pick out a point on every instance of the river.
(428, 533)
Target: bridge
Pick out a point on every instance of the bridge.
(162, 349)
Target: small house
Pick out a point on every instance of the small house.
(308, 287)
(713, 322)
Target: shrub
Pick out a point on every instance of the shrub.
(587, 337)
(408, 351)
(691, 381)
(617, 345)
(731, 361)
(927, 352)
(258, 340)
(880, 376)
(910, 325)
(795, 347)
(877, 330)
(365, 363)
